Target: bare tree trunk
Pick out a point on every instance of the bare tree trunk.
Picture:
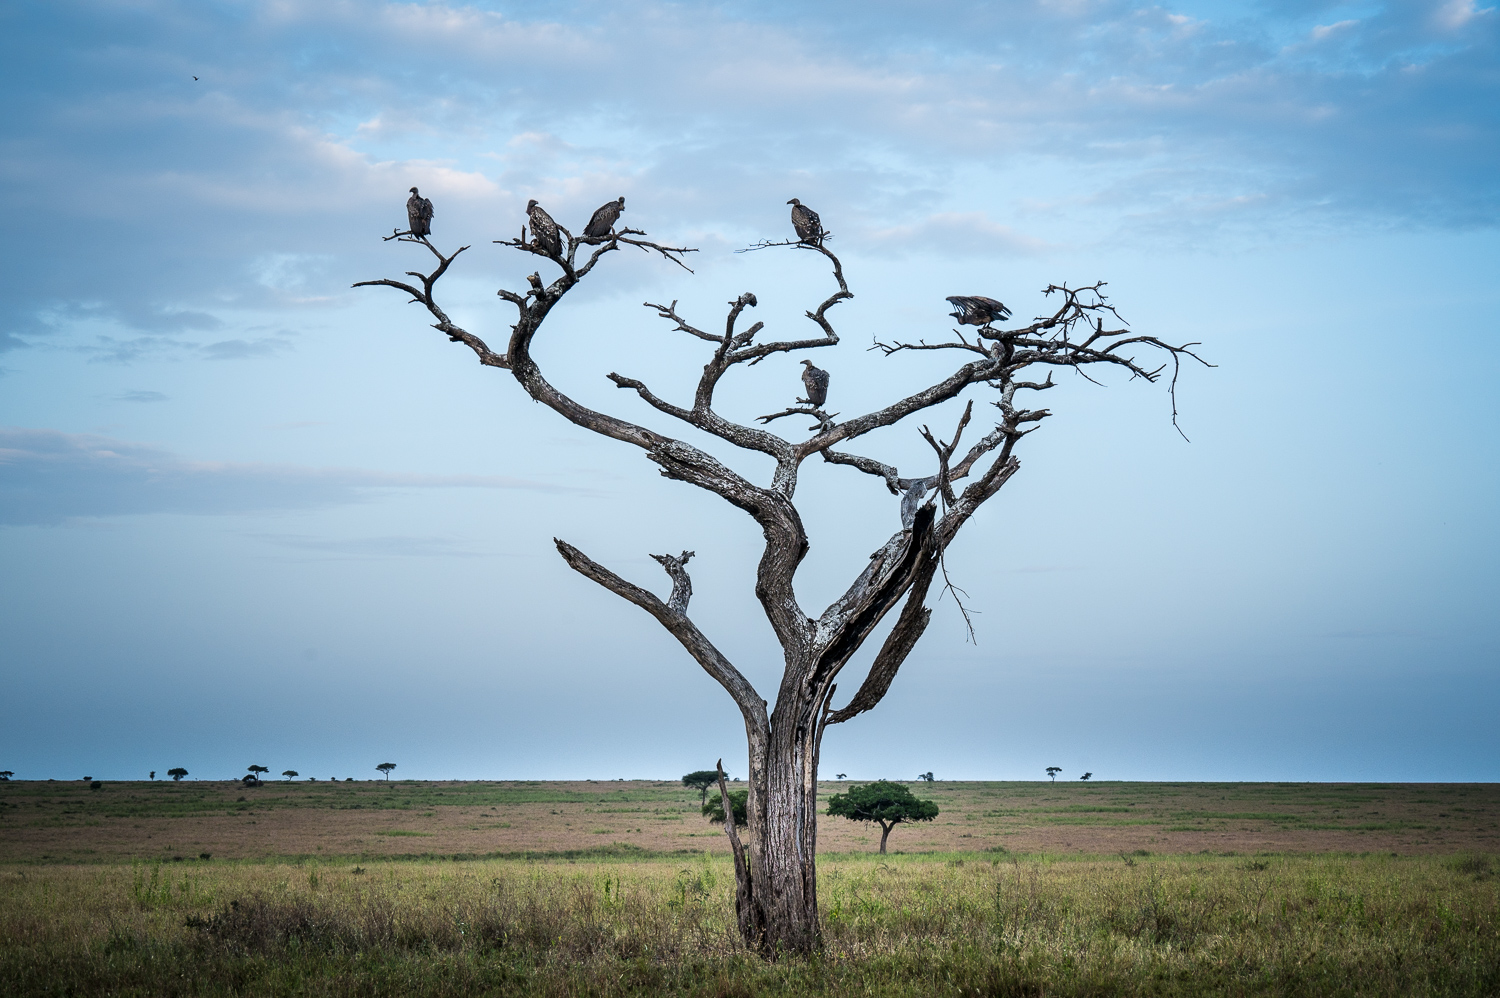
(785, 831)
(885, 832)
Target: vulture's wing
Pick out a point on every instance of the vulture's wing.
(996, 309)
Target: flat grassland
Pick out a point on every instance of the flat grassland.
(53, 822)
(622, 889)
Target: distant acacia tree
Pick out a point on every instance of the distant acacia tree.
(883, 802)
(257, 770)
(1085, 776)
(776, 894)
(153, 774)
(927, 776)
(386, 767)
(177, 773)
(5, 775)
(700, 781)
(840, 776)
(1052, 771)
(290, 774)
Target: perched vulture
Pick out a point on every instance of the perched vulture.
(977, 310)
(605, 218)
(418, 214)
(815, 379)
(543, 230)
(807, 223)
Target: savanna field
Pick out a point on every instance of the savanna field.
(621, 888)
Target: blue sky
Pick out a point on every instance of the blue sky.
(250, 514)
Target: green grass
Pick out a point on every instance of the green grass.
(636, 924)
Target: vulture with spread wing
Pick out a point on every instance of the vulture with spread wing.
(418, 214)
(815, 380)
(977, 310)
(543, 230)
(605, 218)
(807, 223)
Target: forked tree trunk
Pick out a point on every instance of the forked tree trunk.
(885, 833)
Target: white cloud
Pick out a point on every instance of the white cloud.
(1323, 31)
(703, 119)
(967, 234)
(48, 477)
(1454, 14)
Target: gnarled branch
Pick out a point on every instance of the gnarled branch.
(674, 618)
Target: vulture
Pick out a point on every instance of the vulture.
(815, 379)
(807, 223)
(543, 229)
(418, 214)
(977, 310)
(605, 218)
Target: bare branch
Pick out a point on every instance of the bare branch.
(890, 348)
(772, 243)
(905, 565)
(676, 621)
(745, 910)
(825, 419)
(670, 312)
(869, 466)
(682, 586)
(424, 297)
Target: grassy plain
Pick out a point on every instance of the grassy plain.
(51, 822)
(544, 888)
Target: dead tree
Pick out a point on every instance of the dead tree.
(776, 894)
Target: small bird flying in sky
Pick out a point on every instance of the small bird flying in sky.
(807, 223)
(815, 380)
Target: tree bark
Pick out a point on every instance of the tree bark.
(885, 833)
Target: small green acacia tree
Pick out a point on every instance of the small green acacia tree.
(177, 773)
(700, 780)
(883, 802)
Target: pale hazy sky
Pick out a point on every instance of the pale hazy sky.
(248, 514)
